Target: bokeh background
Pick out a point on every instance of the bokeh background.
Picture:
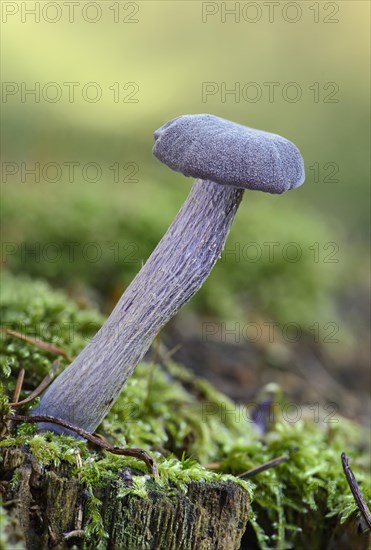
(150, 61)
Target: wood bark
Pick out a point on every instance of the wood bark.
(50, 510)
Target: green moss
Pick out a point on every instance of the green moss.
(313, 476)
(35, 310)
(94, 527)
(167, 409)
(185, 423)
(4, 402)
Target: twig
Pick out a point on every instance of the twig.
(38, 343)
(11, 502)
(168, 355)
(3, 485)
(18, 386)
(140, 454)
(356, 491)
(266, 466)
(212, 465)
(40, 388)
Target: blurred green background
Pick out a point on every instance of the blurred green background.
(150, 61)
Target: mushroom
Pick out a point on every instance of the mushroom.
(226, 158)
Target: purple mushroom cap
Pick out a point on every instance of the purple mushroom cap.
(212, 148)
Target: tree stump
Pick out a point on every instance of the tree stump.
(50, 509)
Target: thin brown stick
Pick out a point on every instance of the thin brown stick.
(266, 466)
(5, 428)
(17, 390)
(40, 388)
(356, 491)
(140, 454)
(11, 502)
(38, 343)
(18, 386)
(212, 465)
(168, 355)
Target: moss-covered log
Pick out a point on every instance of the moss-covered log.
(49, 508)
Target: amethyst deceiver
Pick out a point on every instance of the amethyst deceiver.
(212, 148)
(227, 158)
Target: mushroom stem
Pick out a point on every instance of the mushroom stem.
(183, 259)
